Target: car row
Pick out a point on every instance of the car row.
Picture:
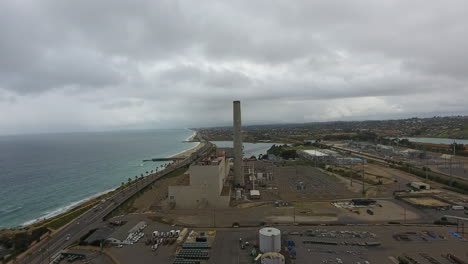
(134, 238)
(172, 233)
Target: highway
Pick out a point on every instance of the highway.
(93, 218)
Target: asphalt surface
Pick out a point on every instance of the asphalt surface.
(93, 218)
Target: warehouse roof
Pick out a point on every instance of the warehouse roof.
(314, 152)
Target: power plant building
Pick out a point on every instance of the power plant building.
(208, 187)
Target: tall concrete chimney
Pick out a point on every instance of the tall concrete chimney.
(238, 172)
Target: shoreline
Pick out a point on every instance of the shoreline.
(188, 152)
(66, 209)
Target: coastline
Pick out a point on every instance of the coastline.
(67, 208)
(64, 210)
(188, 152)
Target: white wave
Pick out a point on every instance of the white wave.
(10, 209)
(50, 214)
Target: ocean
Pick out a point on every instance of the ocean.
(44, 175)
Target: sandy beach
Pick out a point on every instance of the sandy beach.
(189, 151)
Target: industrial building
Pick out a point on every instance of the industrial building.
(254, 194)
(350, 161)
(420, 186)
(208, 186)
(322, 155)
(384, 149)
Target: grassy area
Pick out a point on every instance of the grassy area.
(127, 207)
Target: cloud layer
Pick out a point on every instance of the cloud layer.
(98, 65)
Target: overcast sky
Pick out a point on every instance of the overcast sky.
(110, 64)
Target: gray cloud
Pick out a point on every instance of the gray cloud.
(87, 65)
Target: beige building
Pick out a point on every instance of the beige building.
(208, 187)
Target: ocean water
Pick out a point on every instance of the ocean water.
(44, 175)
(250, 149)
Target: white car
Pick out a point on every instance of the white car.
(155, 234)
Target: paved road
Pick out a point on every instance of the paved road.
(93, 218)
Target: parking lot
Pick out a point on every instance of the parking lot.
(313, 244)
(354, 244)
(140, 252)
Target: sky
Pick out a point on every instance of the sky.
(117, 64)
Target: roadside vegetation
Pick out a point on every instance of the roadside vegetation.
(16, 242)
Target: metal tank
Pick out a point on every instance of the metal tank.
(272, 258)
(270, 240)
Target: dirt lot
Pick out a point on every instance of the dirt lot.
(425, 201)
(317, 185)
(298, 212)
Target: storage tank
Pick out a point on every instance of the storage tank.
(270, 240)
(272, 258)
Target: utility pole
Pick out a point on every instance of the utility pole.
(451, 157)
(404, 213)
(294, 215)
(214, 217)
(363, 173)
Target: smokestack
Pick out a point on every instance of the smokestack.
(238, 172)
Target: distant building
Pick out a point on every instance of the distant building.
(207, 188)
(420, 186)
(384, 149)
(228, 153)
(350, 161)
(410, 153)
(254, 194)
(322, 155)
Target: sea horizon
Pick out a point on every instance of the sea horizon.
(17, 211)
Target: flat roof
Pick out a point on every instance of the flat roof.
(314, 152)
(419, 183)
(254, 192)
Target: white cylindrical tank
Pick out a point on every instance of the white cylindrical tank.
(270, 239)
(272, 258)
